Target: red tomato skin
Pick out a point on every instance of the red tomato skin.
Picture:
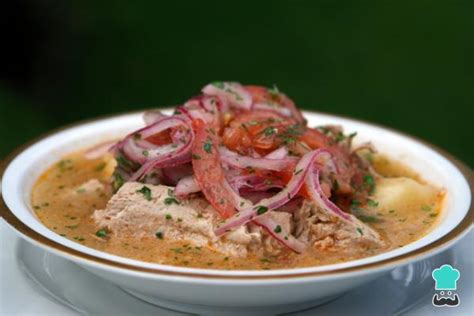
(208, 171)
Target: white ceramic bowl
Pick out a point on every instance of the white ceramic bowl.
(206, 290)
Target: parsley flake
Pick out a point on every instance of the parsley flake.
(207, 147)
(146, 192)
(101, 233)
(261, 209)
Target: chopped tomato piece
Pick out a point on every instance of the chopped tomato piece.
(315, 139)
(259, 131)
(207, 169)
(160, 138)
(273, 96)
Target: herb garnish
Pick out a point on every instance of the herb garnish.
(273, 91)
(298, 171)
(146, 192)
(101, 233)
(372, 203)
(159, 235)
(426, 208)
(277, 229)
(369, 182)
(207, 147)
(367, 219)
(118, 181)
(261, 209)
(268, 131)
(100, 167)
(170, 200)
(195, 157)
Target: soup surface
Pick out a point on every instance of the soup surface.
(402, 210)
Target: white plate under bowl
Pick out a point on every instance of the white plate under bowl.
(251, 291)
(408, 289)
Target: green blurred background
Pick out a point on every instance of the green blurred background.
(403, 64)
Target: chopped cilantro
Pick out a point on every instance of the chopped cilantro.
(64, 165)
(277, 229)
(367, 219)
(118, 181)
(354, 204)
(252, 123)
(274, 91)
(195, 157)
(268, 131)
(146, 192)
(101, 233)
(426, 208)
(360, 231)
(123, 162)
(369, 182)
(298, 171)
(207, 147)
(170, 200)
(145, 153)
(372, 203)
(340, 137)
(100, 167)
(168, 216)
(261, 209)
(159, 235)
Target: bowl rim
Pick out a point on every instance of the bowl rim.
(445, 241)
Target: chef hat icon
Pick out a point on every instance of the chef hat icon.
(445, 277)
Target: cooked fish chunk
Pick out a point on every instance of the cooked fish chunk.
(326, 231)
(139, 210)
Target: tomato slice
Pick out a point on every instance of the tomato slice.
(160, 138)
(261, 131)
(263, 95)
(208, 172)
(315, 139)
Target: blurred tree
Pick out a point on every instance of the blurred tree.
(404, 64)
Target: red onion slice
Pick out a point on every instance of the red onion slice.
(272, 107)
(152, 116)
(279, 199)
(232, 91)
(280, 234)
(233, 159)
(279, 153)
(173, 175)
(186, 186)
(267, 223)
(314, 189)
(162, 156)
